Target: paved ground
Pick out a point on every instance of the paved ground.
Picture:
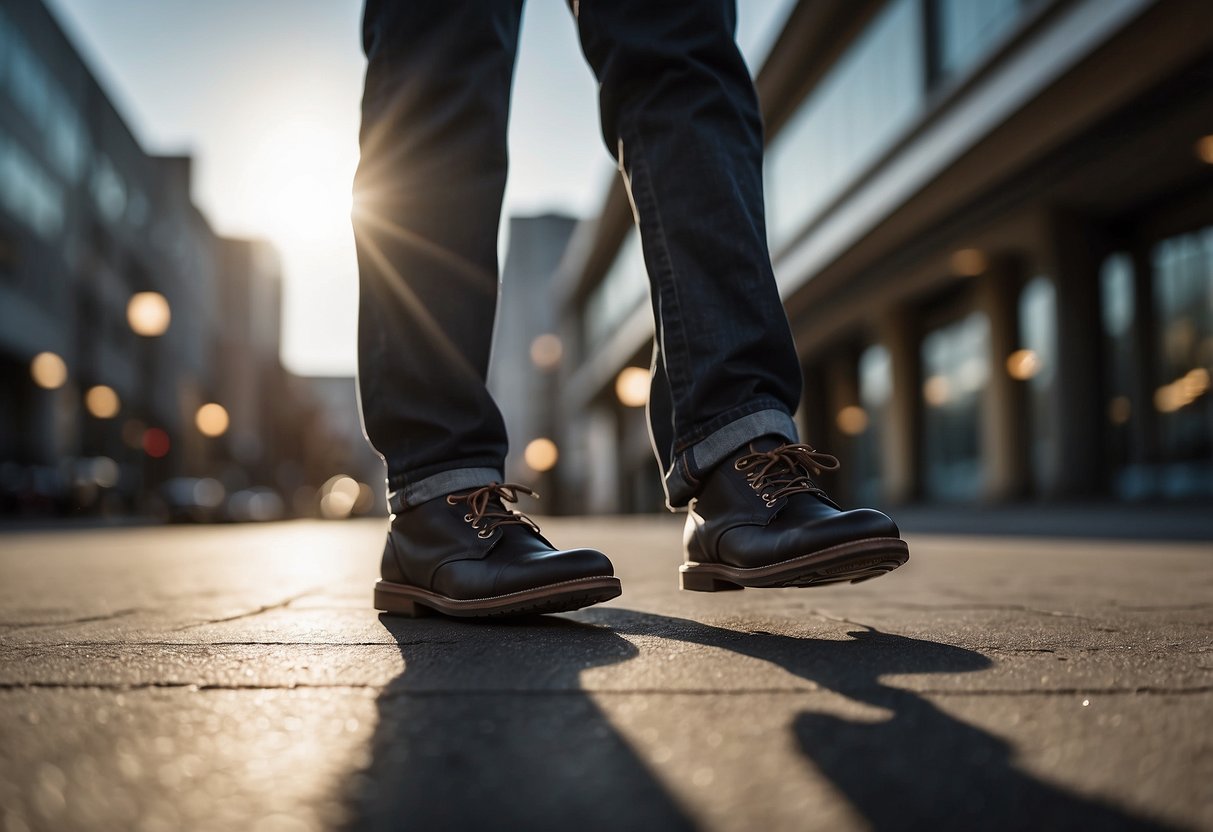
(234, 678)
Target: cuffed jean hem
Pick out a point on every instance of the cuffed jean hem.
(684, 478)
(437, 485)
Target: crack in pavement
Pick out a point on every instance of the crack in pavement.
(267, 608)
(22, 625)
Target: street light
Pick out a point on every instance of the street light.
(48, 370)
(102, 401)
(541, 454)
(212, 420)
(632, 386)
(148, 314)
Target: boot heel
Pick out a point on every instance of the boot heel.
(693, 581)
(394, 604)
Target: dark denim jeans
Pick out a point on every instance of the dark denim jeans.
(679, 114)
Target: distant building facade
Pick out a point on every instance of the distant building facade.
(992, 227)
(93, 416)
(526, 349)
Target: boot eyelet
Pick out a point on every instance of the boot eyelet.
(467, 518)
(737, 466)
(450, 499)
(483, 533)
(766, 497)
(771, 503)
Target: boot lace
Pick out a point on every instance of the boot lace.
(785, 470)
(487, 510)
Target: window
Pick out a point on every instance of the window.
(1036, 364)
(854, 114)
(28, 192)
(1119, 316)
(956, 366)
(1183, 303)
(966, 30)
(875, 391)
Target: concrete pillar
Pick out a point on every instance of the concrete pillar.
(842, 390)
(900, 446)
(1005, 456)
(1072, 259)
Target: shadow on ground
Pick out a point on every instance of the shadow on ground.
(464, 741)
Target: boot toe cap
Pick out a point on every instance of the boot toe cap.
(552, 567)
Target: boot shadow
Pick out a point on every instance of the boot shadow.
(488, 728)
(919, 769)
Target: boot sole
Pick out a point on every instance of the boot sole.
(415, 602)
(860, 560)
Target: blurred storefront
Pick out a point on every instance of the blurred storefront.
(992, 226)
(139, 367)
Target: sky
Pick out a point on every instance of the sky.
(265, 95)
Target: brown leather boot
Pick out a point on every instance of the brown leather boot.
(761, 521)
(467, 555)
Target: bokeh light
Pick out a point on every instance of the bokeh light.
(212, 420)
(546, 351)
(48, 370)
(105, 472)
(1023, 364)
(937, 390)
(148, 314)
(541, 454)
(1119, 410)
(102, 402)
(338, 497)
(852, 420)
(156, 443)
(969, 262)
(1182, 392)
(1204, 149)
(632, 386)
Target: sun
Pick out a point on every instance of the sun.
(298, 190)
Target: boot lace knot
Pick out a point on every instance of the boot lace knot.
(788, 469)
(487, 509)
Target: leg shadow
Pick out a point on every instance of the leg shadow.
(920, 768)
(488, 728)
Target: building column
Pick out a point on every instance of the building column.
(1073, 254)
(842, 389)
(900, 445)
(1004, 418)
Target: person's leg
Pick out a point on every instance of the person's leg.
(427, 204)
(680, 113)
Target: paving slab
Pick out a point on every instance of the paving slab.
(236, 678)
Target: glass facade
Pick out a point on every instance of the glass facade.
(1119, 317)
(28, 192)
(625, 286)
(1161, 447)
(965, 30)
(1183, 302)
(875, 392)
(955, 366)
(44, 103)
(859, 108)
(1038, 369)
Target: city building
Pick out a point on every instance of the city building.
(992, 226)
(526, 349)
(139, 351)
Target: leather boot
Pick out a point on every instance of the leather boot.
(761, 521)
(468, 555)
